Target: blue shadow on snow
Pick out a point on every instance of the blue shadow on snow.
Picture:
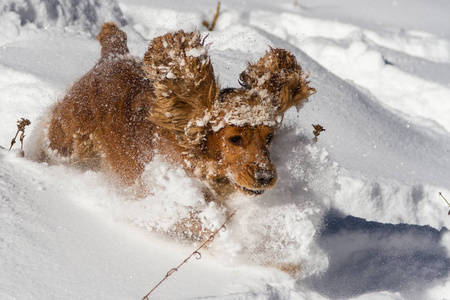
(367, 257)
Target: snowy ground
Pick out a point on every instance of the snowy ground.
(359, 210)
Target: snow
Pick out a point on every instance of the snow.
(359, 210)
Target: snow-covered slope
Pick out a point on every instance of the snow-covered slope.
(359, 210)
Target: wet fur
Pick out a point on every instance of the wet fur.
(124, 110)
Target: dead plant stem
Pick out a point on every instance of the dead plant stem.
(216, 16)
(195, 253)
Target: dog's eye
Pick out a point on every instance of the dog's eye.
(236, 140)
(269, 138)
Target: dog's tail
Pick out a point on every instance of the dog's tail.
(113, 40)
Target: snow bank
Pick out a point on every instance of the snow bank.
(373, 60)
(88, 15)
(60, 243)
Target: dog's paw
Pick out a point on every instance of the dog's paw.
(193, 228)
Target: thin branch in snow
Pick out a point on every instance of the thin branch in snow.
(196, 253)
(21, 124)
(213, 24)
(445, 201)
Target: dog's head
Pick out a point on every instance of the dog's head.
(230, 129)
(239, 141)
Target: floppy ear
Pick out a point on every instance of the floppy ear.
(185, 86)
(281, 76)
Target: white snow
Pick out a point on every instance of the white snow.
(359, 210)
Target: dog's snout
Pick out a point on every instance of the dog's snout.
(265, 177)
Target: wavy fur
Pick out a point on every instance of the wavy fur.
(281, 76)
(184, 82)
(116, 116)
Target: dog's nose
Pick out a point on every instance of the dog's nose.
(265, 177)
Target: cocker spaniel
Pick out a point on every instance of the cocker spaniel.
(123, 111)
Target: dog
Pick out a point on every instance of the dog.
(124, 110)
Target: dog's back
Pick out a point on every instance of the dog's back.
(102, 120)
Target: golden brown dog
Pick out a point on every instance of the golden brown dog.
(123, 111)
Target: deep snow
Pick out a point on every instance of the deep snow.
(359, 210)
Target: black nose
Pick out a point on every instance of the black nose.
(265, 177)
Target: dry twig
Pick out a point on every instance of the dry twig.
(196, 253)
(213, 24)
(317, 130)
(440, 194)
(21, 124)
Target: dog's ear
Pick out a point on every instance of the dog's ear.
(281, 76)
(185, 86)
